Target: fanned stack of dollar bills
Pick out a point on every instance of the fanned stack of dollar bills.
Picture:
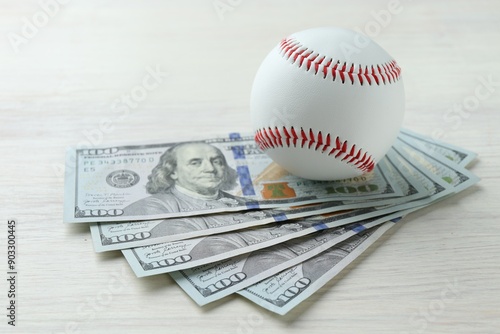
(221, 218)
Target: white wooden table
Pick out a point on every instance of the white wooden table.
(65, 78)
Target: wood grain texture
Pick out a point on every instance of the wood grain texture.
(60, 88)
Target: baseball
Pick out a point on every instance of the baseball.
(327, 103)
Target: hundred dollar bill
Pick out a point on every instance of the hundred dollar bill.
(184, 254)
(157, 181)
(455, 175)
(210, 282)
(283, 291)
(458, 155)
(122, 235)
(113, 236)
(435, 186)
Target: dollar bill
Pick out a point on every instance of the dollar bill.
(157, 181)
(455, 175)
(122, 235)
(285, 290)
(458, 155)
(207, 283)
(184, 254)
(436, 187)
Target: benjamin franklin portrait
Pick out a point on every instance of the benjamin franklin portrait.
(189, 177)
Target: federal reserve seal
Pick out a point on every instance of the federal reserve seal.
(122, 178)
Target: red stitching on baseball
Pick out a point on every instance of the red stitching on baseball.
(269, 138)
(379, 74)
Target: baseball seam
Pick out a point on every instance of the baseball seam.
(269, 138)
(378, 74)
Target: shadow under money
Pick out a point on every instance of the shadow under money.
(78, 230)
(218, 303)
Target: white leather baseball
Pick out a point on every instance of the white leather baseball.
(327, 103)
